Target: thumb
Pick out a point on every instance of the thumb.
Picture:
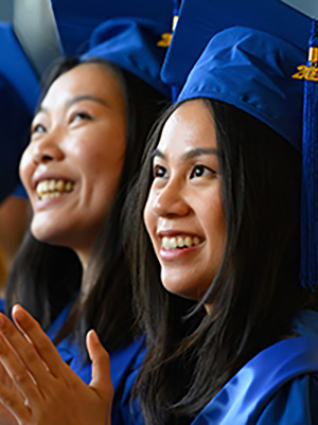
(101, 381)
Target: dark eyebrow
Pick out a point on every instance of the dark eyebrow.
(87, 97)
(157, 152)
(199, 151)
(77, 99)
(188, 155)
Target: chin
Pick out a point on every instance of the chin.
(45, 234)
(184, 286)
(182, 291)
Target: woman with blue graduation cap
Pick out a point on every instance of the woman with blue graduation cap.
(221, 195)
(87, 137)
(231, 328)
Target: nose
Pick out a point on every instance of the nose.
(47, 149)
(170, 201)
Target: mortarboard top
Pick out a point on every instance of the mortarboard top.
(76, 19)
(199, 20)
(132, 44)
(253, 65)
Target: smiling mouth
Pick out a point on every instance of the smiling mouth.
(179, 242)
(53, 188)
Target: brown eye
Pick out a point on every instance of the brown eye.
(201, 171)
(38, 128)
(80, 116)
(159, 171)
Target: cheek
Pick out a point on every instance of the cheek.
(99, 155)
(216, 228)
(26, 169)
(149, 218)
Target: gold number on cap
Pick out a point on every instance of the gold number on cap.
(309, 73)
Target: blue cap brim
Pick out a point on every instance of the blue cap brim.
(132, 44)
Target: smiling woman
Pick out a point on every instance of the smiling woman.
(210, 176)
(187, 230)
(87, 137)
(231, 324)
(77, 152)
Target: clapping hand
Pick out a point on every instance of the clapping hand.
(52, 393)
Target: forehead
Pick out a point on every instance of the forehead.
(190, 126)
(86, 78)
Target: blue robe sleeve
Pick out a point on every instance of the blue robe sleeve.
(124, 366)
(294, 404)
(2, 305)
(125, 411)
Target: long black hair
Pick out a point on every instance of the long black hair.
(45, 278)
(256, 293)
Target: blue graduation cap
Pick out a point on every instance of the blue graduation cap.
(254, 56)
(200, 20)
(76, 19)
(132, 44)
(19, 91)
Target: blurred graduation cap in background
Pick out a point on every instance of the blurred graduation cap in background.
(76, 19)
(42, 31)
(50, 28)
(19, 91)
(253, 55)
(134, 45)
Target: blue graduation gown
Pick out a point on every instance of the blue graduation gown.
(124, 364)
(279, 386)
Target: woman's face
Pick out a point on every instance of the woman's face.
(73, 164)
(184, 214)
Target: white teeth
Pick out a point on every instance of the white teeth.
(179, 242)
(69, 186)
(60, 185)
(188, 241)
(196, 240)
(53, 188)
(169, 243)
(165, 242)
(52, 185)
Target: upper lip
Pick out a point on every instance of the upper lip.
(37, 178)
(170, 233)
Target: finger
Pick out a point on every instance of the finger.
(14, 405)
(18, 373)
(101, 380)
(6, 416)
(25, 351)
(6, 380)
(42, 343)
